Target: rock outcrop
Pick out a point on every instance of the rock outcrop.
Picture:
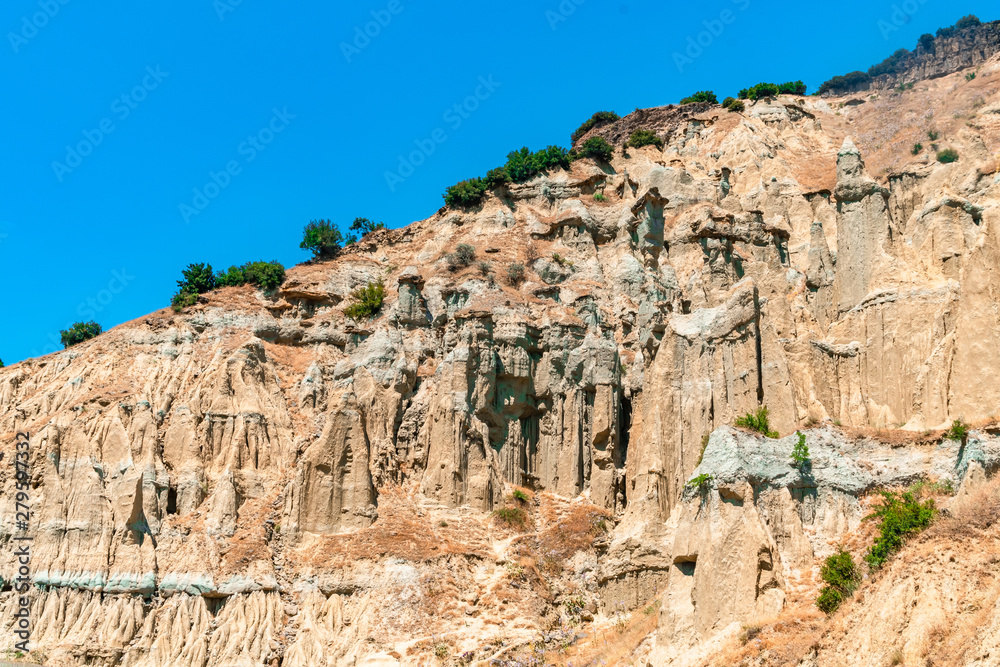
(261, 480)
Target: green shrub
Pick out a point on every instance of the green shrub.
(702, 482)
(900, 515)
(927, 41)
(465, 194)
(891, 65)
(1, 363)
(600, 197)
(496, 178)
(197, 279)
(842, 578)
(959, 431)
(641, 138)
(758, 421)
(182, 300)
(515, 517)
(917, 147)
(463, 256)
(520, 496)
(849, 80)
(80, 332)
(265, 275)
(947, 156)
(701, 96)
(366, 226)
(596, 148)
(483, 267)
(515, 273)
(733, 105)
(968, 21)
(523, 165)
(932, 135)
(366, 301)
(759, 91)
(231, 277)
(599, 118)
(322, 238)
(800, 453)
(970, 76)
(792, 88)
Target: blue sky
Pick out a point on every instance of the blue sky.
(142, 136)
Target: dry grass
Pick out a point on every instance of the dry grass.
(400, 532)
(783, 640)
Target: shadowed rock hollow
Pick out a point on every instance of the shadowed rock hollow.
(264, 481)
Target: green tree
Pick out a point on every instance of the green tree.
(80, 332)
(322, 238)
(596, 148)
(465, 194)
(197, 279)
(599, 118)
(701, 96)
(366, 226)
(800, 453)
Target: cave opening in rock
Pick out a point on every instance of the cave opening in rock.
(686, 564)
(172, 500)
(624, 427)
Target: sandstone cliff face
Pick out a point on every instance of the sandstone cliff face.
(261, 480)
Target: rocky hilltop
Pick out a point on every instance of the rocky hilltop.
(494, 469)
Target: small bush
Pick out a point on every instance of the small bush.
(463, 256)
(968, 21)
(758, 421)
(322, 238)
(927, 41)
(366, 301)
(642, 138)
(970, 76)
(800, 453)
(959, 431)
(600, 197)
(183, 300)
(917, 148)
(702, 482)
(759, 91)
(1, 363)
(599, 118)
(947, 156)
(595, 148)
(523, 165)
(520, 496)
(733, 105)
(900, 515)
(197, 279)
(80, 332)
(842, 577)
(265, 275)
(792, 88)
(515, 517)
(483, 267)
(366, 226)
(701, 96)
(496, 178)
(465, 194)
(932, 135)
(231, 277)
(515, 273)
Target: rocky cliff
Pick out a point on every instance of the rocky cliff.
(261, 480)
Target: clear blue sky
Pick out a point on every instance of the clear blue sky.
(309, 128)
